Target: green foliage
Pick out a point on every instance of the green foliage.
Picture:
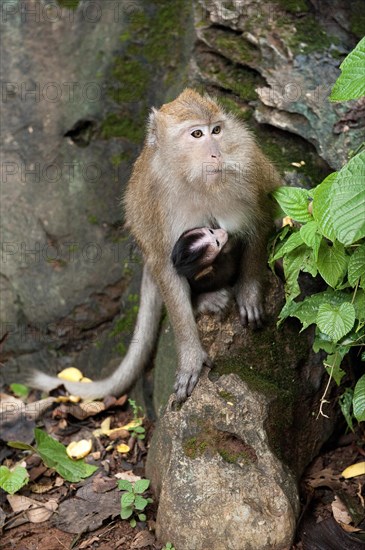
(351, 83)
(54, 456)
(137, 430)
(132, 502)
(327, 239)
(13, 480)
(19, 390)
(168, 546)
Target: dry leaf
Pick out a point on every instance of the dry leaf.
(36, 511)
(340, 512)
(128, 476)
(11, 408)
(354, 470)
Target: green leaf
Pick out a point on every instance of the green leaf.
(13, 480)
(22, 446)
(346, 406)
(322, 195)
(19, 389)
(359, 400)
(336, 321)
(322, 341)
(140, 503)
(141, 486)
(294, 201)
(356, 268)
(54, 456)
(311, 237)
(125, 485)
(292, 242)
(142, 517)
(139, 429)
(133, 522)
(348, 201)
(126, 513)
(332, 263)
(332, 365)
(127, 500)
(359, 304)
(351, 83)
(293, 263)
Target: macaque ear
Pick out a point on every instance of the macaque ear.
(152, 125)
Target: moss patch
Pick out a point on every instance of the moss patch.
(293, 6)
(127, 125)
(357, 17)
(69, 4)
(283, 148)
(227, 445)
(151, 57)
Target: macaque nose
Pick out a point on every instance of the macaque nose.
(214, 151)
(222, 235)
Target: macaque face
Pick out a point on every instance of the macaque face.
(198, 248)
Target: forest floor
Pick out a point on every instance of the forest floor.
(86, 514)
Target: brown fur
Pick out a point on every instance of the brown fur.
(179, 182)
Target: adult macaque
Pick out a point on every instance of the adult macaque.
(210, 262)
(200, 167)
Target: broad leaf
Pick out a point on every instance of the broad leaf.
(351, 83)
(322, 195)
(359, 400)
(333, 367)
(127, 500)
(356, 268)
(125, 485)
(336, 321)
(141, 486)
(140, 503)
(332, 263)
(359, 304)
(54, 456)
(311, 237)
(346, 406)
(294, 201)
(292, 242)
(13, 480)
(126, 513)
(348, 201)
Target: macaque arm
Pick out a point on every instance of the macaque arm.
(139, 351)
(248, 289)
(191, 356)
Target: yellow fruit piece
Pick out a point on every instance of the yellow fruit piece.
(85, 379)
(287, 221)
(123, 448)
(79, 449)
(71, 374)
(354, 470)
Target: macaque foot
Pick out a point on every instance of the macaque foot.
(251, 309)
(187, 378)
(212, 302)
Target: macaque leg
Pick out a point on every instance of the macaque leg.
(248, 289)
(212, 302)
(191, 356)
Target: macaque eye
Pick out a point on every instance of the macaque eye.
(211, 231)
(216, 130)
(197, 133)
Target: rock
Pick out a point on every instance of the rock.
(297, 54)
(219, 484)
